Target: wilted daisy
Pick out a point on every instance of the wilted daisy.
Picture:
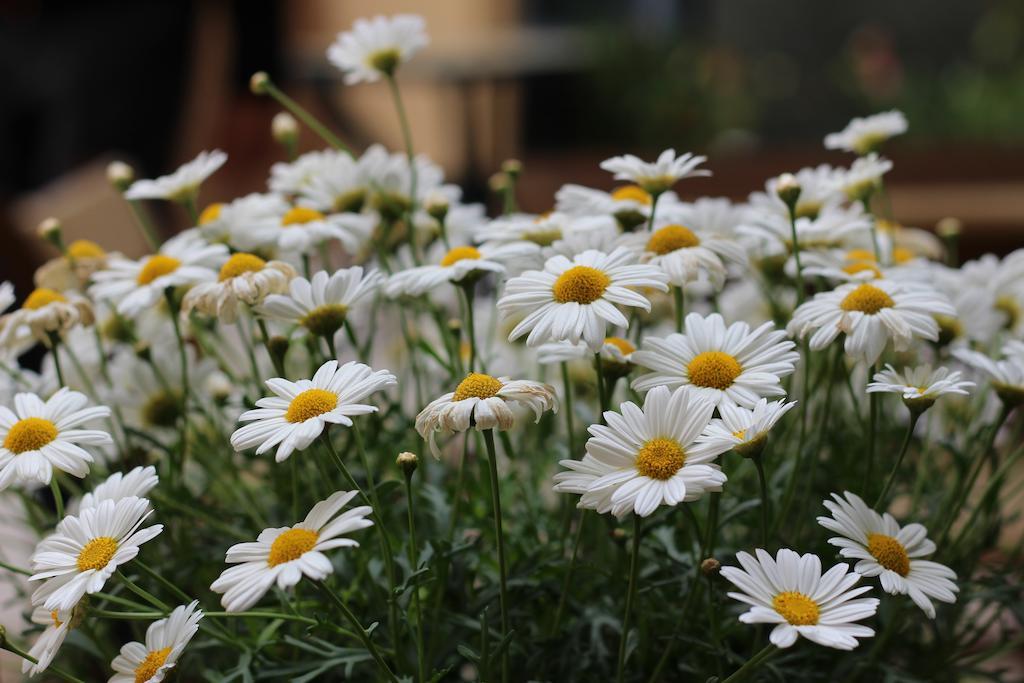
(658, 176)
(38, 437)
(322, 304)
(575, 299)
(45, 312)
(645, 458)
(892, 553)
(73, 268)
(870, 314)
(863, 135)
(483, 402)
(724, 364)
(919, 386)
(137, 482)
(58, 624)
(458, 265)
(1006, 375)
(300, 411)
(87, 549)
(743, 430)
(152, 661)
(135, 286)
(243, 279)
(284, 555)
(790, 591)
(183, 184)
(376, 47)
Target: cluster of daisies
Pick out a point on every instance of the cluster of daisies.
(261, 325)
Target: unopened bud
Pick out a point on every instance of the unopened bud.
(788, 188)
(436, 204)
(710, 567)
(258, 83)
(498, 182)
(278, 348)
(408, 462)
(50, 230)
(455, 325)
(120, 175)
(949, 227)
(142, 350)
(512, 168)
(284, 128)
(218, 386)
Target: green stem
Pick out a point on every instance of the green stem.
(468, 292)
(752, 664)
(360, 631)
(654, 207)
(880, 502)
(567, 583)
(16, 570)
(278, 365)
(183, 359)
(500, 537)
(55, 346)
(680, 300)
(796, 256)
(189, 204)
(58, 497)
(403, 121)
(872, 426)
(14, 649)
(763, 484)
(990, 487)
(414, 565)
(145, 224)
(143, 593)
(634, 570)
(301, 114)
(602, 388)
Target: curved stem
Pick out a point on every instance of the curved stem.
(54, 347)
(360, 631)
(752, 664)
(880, 502)
(763, 484)
(634, 570)
(13, 649)
(307, 118)
(567, 583)
(502, 567)
(58, 497)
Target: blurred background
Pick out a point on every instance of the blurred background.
(754, 85)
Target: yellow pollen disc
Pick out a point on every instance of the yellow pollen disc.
(889, 553)
(860, 255)
(309, 404)
(671, 237)
(477, 385)
(796, 608)
(632, 193)
(902, 255)
(210, 213)
(660, 458)
(715, 369)
(855, 268)
(299, 215)
(867, 299)
(581, 284)
(240, 264)
(621, 344)
(291, 545)
(156, 266)
(888, 226)
(42, 297)
(85, 249)
(56, 622)
(96, 554)
(741, 434)
(460, 254)
(29, 434)
(151, 664)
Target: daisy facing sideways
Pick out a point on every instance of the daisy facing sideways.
(183, 184)
(152, 661)
(322, 304)
(744, 430)
(865, 134)
(657, 176)
(376, 47)
(920, 386)
(790, 591)
(44, 312)
(893, 553)
(283, 556)
(300, 411)
(138, 482)
(57, 625)
(459, 265)
(243, 279)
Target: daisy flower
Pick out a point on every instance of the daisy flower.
(629, 205)
(644, 458)
(741, 429)
(686, 256)
(723, 364)
(819, 191)
(863, 135)
(870, 314)
(575, 299)
(376, 47)
(137, 482)
(87, 549)
(322, 304)
(920, 386)
(616, 354)
(300, 411)
(135, 286)
(38, 437)
(892, 553)
(339, 183)
(463, 264)
(861, 179)
(1006, 375)
(284, 555)
(831, 227)
(58, 624)
(241, 223)
(152, 661)
(790, 591)
(243, 279)
(45, 312)
(483, 402)
(658, 176)
(73, 268)
(183, 184)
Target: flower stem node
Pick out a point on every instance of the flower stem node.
(120, 175)
(408, 462)
(754, 448)
(916, 406)
(710, 567)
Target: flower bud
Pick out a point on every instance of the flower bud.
(498, 182)
(512, 168)
(258, 83)
(408, 462)
(788, 188)
(278, 348)
(50, 230)
(949, 227)
(710, 567)
(218, 386)
(285, 128)
(120, 175)
(436, 204)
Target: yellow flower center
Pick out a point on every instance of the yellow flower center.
(715, 369)
(385, 61)
(889, 553)
(460, 254)
(29, 434)
(210, 213)
(660, 458)
(85, 249)
(581, 284)
(309, 404)
(672, 237)
(300, 215)
(477, 385)
(855, 268)
(42, 297)
(1004, 304)
(623, 345)
(949, 329)
(860, 255)
(740, 434)
(902, 255)
(796, 608)
(96, 554)
(867, 299)
(151, 664)
(56, 621)
(291, 545)
(156, 266)
(632, 193)
(239, 264)
(325, 320)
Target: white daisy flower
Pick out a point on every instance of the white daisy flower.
(243, 279)
(483, 402)
(376, 47)
(708, 215)
(322, 304)
(791, 592)
(284, 555)
(616, 351)
(575, 299)
(38, 437)
(686, 255)
(601, 236)
(238, 222)
(87, 549)
(44, 312)
(644, 458)
(1006, 375)
(58, 624)
(870, 314)
(723, 364)
(892, 553)
(460, 264)
(183, 184)
(135, 286)
(863, 135)
(919, 386)
(658, 176)
(137, 482)
(832, 227)
(743, 430)
(629, 205)
(819, 191)
(542, 230)
(339, 183)
(152, 661)
(300, 411)
(864, 175)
